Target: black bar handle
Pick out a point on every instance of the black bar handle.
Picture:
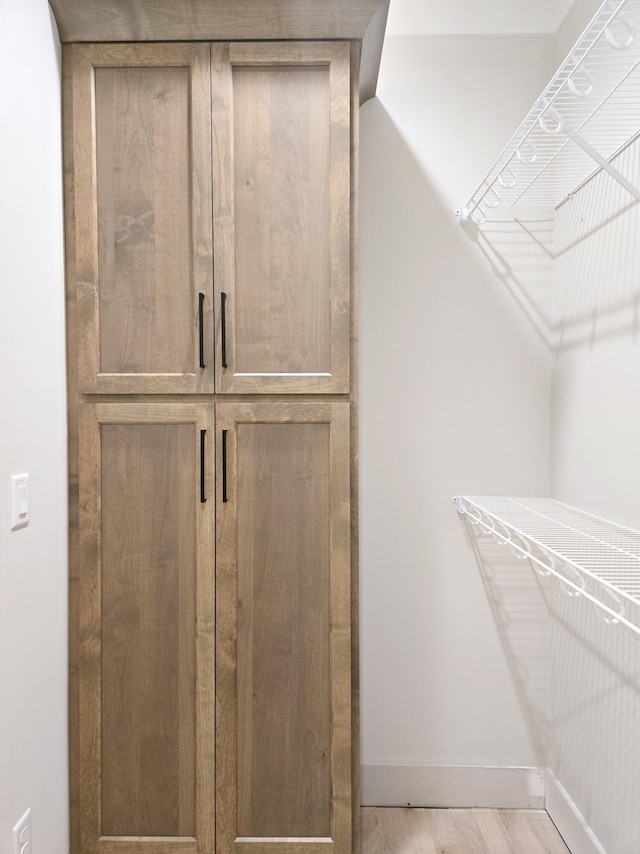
(201, 327)
(223, 327)
(224, 466)
(203, 496)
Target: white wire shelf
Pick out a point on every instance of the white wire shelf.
(588, 114)
(591, 557)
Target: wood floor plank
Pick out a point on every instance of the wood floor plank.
(455, 832)
(459, 831)
(536, 830)
(492, 829)
(386, 830)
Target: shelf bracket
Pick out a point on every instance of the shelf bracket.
(602, 161)
(460, 502)
(562, 126)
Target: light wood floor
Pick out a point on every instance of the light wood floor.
(456, 831)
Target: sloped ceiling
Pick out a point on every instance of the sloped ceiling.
(474, 17)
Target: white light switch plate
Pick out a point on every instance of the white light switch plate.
(19, 501)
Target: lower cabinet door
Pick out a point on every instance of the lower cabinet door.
(142, 630)
(283, 675)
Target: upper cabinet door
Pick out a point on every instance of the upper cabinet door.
(140, 204)
(281, 154)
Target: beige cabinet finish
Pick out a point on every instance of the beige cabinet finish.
(283, 666)
(145, 593)
(211, 673)
(142, 207)
(282, 150)
(143, 194)
(359, 21)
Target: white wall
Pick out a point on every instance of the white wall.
(561, 11)
(33, 585)
(455, 399)
(596, 417)
(472, 17)
(475, 17)
(596, 465)
(595, 702)
(573, 25)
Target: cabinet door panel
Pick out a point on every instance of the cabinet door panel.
(148, 643)
(283, 615)
(283, 638)
(142, 192)
(145, 582)
(282, 213)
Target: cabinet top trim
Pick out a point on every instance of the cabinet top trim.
(230, 20)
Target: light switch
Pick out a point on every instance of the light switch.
(19, 501)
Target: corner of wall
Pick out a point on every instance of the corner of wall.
(573, 25)
(571, 824)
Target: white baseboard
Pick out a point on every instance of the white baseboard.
(452, 786)
(577, 835)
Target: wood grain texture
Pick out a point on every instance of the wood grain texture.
(284, 846)
(82, 278)
(281, 163)
(283, 630)
(205, 642)
(370, 52)
(88, 632)
(148, 618)
(142, 199)
(277, 688)
(143, 165)
(145, 641)
(72, 455)
(459, 831)
(355, 454)
(281, 123)
(229, 20)
(142, 845)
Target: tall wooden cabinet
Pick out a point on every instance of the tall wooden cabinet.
(210, 209)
